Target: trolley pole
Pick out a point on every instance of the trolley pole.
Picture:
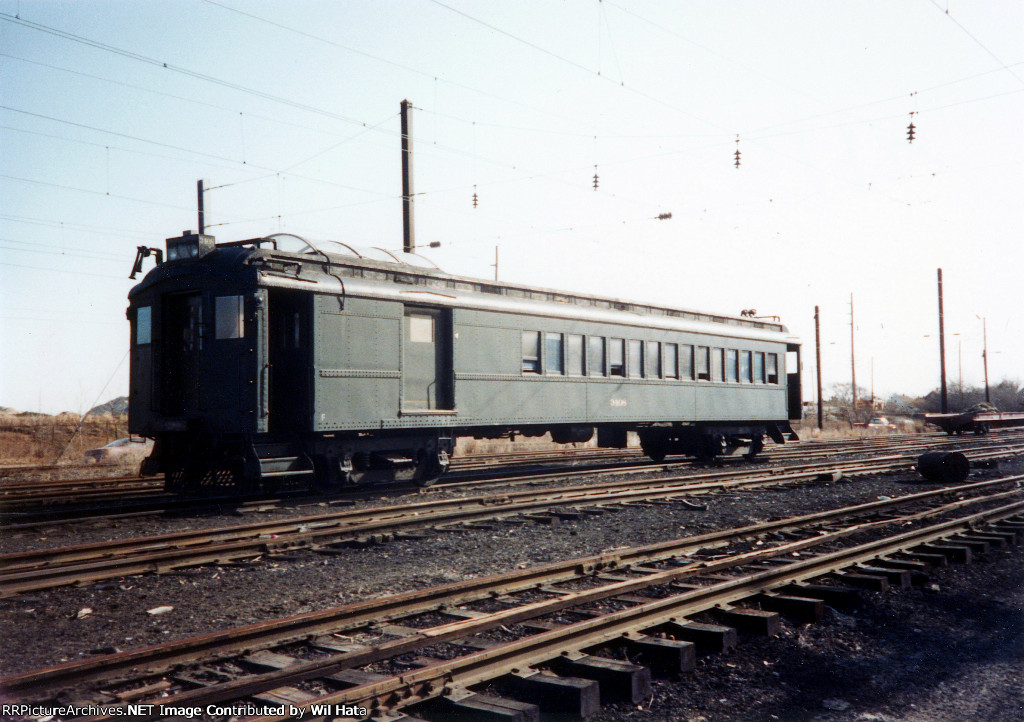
(942, 350)
(817, 354)
(408, 235)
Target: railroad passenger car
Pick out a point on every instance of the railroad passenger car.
(273, 358)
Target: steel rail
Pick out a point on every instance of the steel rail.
(43, 569)
(150, 498)
(449, 676)
(260, 636)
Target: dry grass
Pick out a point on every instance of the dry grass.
(38, 439)
(842, 430)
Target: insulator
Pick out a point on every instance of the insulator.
(595, 181)
(910, 133)
(474, 200)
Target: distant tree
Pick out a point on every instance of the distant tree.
(840, 399)
(839, 394)
(1006, 396)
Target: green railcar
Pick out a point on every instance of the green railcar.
(277, 359)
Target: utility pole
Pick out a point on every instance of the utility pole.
(984, 355)
(817, 354)
(495, 264)
(942, 350)
(853, 363)
(960, 365)
(408, 235)
(199, 205)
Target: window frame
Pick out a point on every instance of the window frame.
(731, 371)
(572, 369)
(597, 354)
(670, 370)
(530, 364)
(702, 358)
(746, 367)
(147, 313)
(550, 357)
(620, 345)
(635, 357)
(771, 368)
(652, 353)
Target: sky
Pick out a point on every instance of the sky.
(110, 111)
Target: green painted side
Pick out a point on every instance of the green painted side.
(357, 375)
(356, 363)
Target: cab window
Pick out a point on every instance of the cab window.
(143, 325)
(229, 317)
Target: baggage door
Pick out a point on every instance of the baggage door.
(290, 356)
(426, 360)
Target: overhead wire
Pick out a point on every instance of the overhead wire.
(237, 162)
(978, 42)
(579, 66)
(208, 78)
(178, 69)
(378, 58)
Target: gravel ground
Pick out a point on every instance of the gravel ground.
(945, 653)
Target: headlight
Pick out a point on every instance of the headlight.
(189, 245)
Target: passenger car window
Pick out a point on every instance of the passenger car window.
(553, 349)
(759, 367)
(574, 349)
(772, 362)
(616, 357)
(686, 362)
(652, 362)
(531, 352)
(717, 363)
(595, 355)
(732, 367)
(636, 359)
(745, 367)
(703, 363)
(229, 317)
(143, 325)
(672, 361)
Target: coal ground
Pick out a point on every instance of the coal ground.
(951, 650)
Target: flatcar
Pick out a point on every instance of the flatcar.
(271, 360)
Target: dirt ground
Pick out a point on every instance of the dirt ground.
(952, 650)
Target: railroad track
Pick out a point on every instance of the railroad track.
(28, 502)
(539, 633)
(48, 568)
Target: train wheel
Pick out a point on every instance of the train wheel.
(430, 467)
(655, 451)
(756, 447)
(711, 446)
(326, 472)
